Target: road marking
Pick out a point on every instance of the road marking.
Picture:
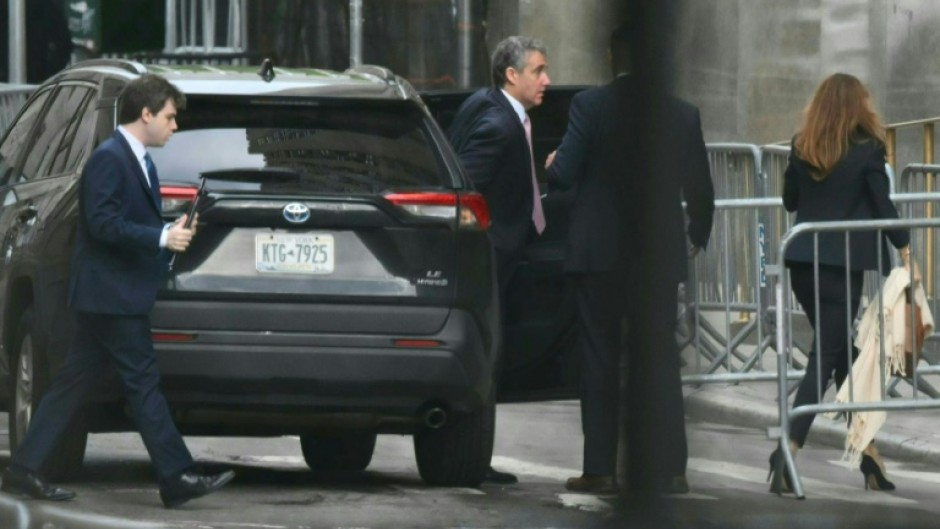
(519, 466)
(584, 502)
(204, 525)
(929, 477)
(439, 491)
(811, 487)
(288, 461)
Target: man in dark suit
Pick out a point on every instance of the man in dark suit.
(120, 260)
(603, 154)
(492, 134)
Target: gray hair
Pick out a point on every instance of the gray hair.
(512, 52)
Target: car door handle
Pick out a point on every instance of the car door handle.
(27, 214)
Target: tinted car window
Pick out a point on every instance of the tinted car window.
(76, 140)
(19, 134)
(332, 149)
(55, 131)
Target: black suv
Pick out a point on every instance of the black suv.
(341, 284)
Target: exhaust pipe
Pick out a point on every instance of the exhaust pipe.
(435, 417)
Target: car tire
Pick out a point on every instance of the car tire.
(458, 453)
(29, 379)
(339, 452)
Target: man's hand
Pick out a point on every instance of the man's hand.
(550, 159)
(178, 237)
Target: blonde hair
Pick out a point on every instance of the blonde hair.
(840, 113)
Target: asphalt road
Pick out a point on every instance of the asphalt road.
(539, 442)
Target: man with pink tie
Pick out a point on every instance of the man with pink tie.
(492, 135)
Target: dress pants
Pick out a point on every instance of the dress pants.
(101, 339)
(832, 359)
(657, 448)
(601, 305)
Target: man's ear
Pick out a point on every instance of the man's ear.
(512, 76)
(146, 115)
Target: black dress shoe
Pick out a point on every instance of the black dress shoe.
(190, 485)
(23, 483)
(502, 478)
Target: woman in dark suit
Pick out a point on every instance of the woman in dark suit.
(836, 172)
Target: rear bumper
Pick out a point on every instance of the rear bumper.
(277, 373)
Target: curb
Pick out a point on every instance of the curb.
(728, 407)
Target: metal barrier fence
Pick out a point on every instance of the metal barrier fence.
(784, 335)
(730, 306)
(12, 98)
(728, 299)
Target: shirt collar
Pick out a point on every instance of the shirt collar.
(516, 105)
(136, 145)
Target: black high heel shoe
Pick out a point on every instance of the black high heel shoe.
(778, 484)
(874, 478)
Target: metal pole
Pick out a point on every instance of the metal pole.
(169, 38)
(355, 33)
(464, 43)
(208, 25)
(243, 42)
(928, 159)
(17, 53)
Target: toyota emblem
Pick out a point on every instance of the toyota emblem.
(296, 213)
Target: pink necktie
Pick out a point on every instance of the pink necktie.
(538, 216)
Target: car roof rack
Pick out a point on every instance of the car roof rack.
(122, 64)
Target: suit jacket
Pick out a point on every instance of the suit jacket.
(117, 265)
(856, 189)
(490, 140)
(622, 182)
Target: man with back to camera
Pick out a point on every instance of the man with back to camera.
(603, 153)
(492, 135)
(119, 263)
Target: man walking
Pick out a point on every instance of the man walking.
(492, 135)
(119, 263)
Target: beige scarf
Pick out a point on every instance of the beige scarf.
(866, 375)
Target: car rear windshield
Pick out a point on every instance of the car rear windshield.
(332, 147)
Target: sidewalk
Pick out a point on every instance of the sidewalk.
(907, 435)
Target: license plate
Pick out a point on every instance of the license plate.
(294, 253)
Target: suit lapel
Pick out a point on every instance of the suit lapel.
(500, 98)
(137, 171)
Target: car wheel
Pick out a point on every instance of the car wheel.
(458, 453)
(30, 378)
(346, 451)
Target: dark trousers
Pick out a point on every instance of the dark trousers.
(657, 449)
(613, 320)
(834, 333)
(601, 305)
(125, 342)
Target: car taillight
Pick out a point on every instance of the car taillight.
(177, 199)
(469, 209)
(474, 213)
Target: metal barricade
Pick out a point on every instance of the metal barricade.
(923, 178)
(12, 98)
(726, 295)
(730, 331)
(784, 345)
